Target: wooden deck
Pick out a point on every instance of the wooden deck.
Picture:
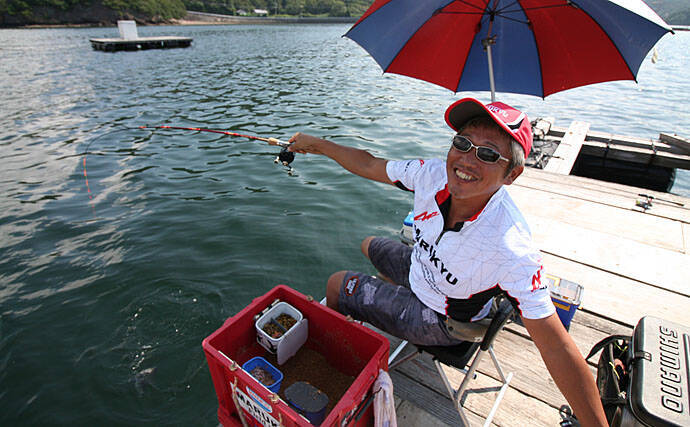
(633, 260)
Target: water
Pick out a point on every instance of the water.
(104, 302)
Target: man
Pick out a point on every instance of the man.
(471, 244)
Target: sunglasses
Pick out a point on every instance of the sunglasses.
(485, 154)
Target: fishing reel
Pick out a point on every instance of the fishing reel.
(285, 157)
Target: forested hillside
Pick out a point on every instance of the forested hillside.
(103, 12)
(282, 7)
(106, 12)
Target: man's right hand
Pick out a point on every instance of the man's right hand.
(303, 143)
(357, 161)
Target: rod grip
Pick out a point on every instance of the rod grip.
(274, 141)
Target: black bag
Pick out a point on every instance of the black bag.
(644, 380)
(613, 372)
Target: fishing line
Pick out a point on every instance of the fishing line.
(86, 153)
(285, 157)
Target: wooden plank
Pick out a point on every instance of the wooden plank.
(599, 217)
(428, 400)
(615, 140)
(617, 297)
(616, 254)
(594, 328)
(586, 329)
(686, 238)
(602, 186)
(409, 414)
(612, 194)
(565, 155)
(516, 408)
(675, 141)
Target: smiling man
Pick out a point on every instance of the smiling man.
(471, 244)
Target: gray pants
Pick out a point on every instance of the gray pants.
(393, 308)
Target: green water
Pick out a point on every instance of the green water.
(107, 291)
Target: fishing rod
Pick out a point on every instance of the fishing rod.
(271, 141)
(285, 157)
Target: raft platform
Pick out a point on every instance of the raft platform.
(141, 43)
(639, 162)
(129, 40)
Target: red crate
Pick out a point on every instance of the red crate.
(351, 348)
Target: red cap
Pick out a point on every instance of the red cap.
(513, 121)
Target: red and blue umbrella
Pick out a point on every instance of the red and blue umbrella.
(535, 47)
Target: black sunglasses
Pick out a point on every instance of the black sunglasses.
(485, 154)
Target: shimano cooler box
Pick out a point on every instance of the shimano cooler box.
(658, 393)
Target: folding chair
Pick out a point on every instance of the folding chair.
(480, 336)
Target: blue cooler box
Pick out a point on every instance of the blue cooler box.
(406, 233)
(566, 296)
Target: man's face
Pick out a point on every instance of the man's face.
(470, 179)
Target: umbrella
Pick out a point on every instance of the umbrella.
(535, 47)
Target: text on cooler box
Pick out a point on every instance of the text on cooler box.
(254, 409)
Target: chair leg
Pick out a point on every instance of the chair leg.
(497, 365)
(497, 402)
(397, 351)
(399, 362)
(456, 395)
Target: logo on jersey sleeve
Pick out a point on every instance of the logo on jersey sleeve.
(425, 215)
(536, 280)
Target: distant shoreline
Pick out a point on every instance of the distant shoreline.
(214, 18)
(201, 18)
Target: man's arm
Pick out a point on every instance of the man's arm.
(567, 368)
(354, 160)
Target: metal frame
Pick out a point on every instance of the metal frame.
(470, 373)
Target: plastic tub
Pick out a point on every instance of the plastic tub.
(260, 362)
(566, 297)
(267, 341)
(308, 400)
(406, 232)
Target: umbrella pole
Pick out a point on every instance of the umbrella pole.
(491, 71)
(487, 42)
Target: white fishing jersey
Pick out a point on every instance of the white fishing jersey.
(456, 273)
